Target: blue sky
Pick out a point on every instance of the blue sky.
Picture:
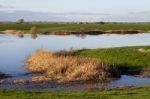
(76, 10)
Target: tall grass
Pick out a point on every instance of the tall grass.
(61, 68)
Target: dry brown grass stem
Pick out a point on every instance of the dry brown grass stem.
(56, 67)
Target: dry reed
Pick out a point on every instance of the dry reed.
(33, 30)
(63, 68)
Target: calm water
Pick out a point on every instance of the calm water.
(15, 50)
(121, 82)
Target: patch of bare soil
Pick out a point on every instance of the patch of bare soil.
(12, 31)
(143, 50)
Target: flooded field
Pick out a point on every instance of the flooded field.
(14, 51)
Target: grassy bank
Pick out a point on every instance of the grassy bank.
(124, 93)
(121, 57)
(46, 27)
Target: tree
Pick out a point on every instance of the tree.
(20, 21)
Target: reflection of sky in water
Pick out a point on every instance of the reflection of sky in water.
(14, 50)
(4, 38)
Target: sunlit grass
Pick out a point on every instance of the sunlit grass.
(121, 57)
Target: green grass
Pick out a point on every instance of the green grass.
(45, 27)
(124, 93)
(122, 57)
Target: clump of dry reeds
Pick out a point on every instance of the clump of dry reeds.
(63, 68)
(33, 30)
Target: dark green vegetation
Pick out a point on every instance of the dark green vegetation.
(122, 57)
(46, 27)
(123, 93)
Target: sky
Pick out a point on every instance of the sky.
(75, 10)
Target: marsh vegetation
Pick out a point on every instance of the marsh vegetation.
(61, 68)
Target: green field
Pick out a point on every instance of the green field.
(123, 93)
(46, 27)
(121, 57)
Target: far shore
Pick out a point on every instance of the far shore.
(76, 32)
(75, 28)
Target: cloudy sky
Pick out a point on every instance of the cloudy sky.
(75, 10)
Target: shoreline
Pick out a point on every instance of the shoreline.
(78, 32)
(126, 68)
(74, 28)
(117, 93)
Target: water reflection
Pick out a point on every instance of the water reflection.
(121, 82)
(20, 34)
(33, 36)
(14, 50)
(81, 35)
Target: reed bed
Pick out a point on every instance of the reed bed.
(64, 68)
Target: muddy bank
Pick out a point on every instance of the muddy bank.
(12, 31)
(69, 32)
(20, 33)
(93, 32)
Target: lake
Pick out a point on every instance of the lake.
(15, 50)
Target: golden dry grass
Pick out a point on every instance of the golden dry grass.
(63, 68)
(33, 30)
